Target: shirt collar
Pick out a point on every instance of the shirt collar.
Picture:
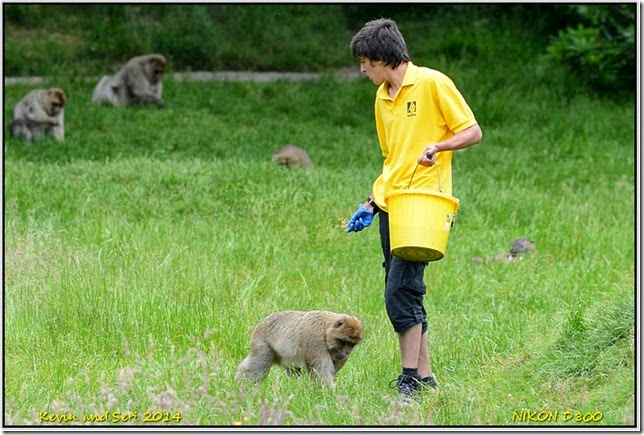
(408, 80)
(410, 75)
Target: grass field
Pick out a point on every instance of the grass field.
(140, 253)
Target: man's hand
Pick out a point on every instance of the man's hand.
(360, 220)
(428, 157)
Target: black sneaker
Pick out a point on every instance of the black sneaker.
(406, 385)
(429, 382)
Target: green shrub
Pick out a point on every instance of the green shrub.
(601, 49)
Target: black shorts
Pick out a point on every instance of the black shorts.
(404, 285)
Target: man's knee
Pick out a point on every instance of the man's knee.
(403, 317)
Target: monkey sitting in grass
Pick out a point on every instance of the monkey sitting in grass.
(292, 156)
(518, 249)
(38, 114)
(139, 81)
(317, 342)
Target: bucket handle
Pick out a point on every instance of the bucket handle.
(440, 187)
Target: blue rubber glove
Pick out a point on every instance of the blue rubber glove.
(360, 220)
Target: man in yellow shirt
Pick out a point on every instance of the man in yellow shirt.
(421, 118)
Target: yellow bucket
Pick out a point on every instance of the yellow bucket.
(419, 223)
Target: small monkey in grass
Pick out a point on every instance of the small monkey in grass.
(318, 342)
(518, 249)
(38, 114)
(292, 156)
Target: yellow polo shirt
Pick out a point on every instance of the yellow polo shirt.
(427, 109)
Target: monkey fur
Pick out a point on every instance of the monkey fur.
(318, 342)
(38, 114)
(292, 156)
(140, 80)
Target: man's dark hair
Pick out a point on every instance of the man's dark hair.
(380, 40)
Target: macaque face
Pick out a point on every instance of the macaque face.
(54, 102)
(56, 108)
(343, 338)
(159, 66)
(346, 347)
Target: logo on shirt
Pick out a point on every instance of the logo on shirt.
(411, 108)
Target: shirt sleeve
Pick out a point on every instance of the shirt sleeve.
(457, 113)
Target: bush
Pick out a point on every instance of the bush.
(220, 37)
(601, 49)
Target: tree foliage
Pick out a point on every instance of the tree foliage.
(601, 48)
(592, 41)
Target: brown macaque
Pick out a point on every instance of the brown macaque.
(518, 249)
(39, 113)
(318, 342)
(140, 80)
(522, 246)
(292, 156)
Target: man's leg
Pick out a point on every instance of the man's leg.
(410, 348)
(424, 365)
(404, 303)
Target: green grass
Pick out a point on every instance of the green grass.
(151, 249)
(140, 253)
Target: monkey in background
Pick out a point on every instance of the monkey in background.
(292, 156)
(140, 80)
(318, 342)
(518, 248)
(522, 246)
(39, 113)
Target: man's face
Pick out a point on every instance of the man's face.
(374, 69)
